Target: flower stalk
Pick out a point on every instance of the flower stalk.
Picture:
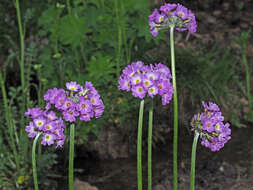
(139, 146)
(71, 156)
(194, 148)
(22, 71)
(175, 104)
(35, 180)
(150, 125)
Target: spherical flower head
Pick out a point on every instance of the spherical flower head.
(209, 124)
(75, 101)
(72, 86)
(46, 122)
(172, 15)
(147, 79)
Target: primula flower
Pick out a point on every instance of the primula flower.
(209, 124)
(148, 80)
(47, 123)
(72, 86)
(172, 15)
(77, 101)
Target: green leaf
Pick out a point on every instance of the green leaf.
(72, 30)
(101, 67)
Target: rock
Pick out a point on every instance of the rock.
(82, 185)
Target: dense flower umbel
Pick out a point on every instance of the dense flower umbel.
(76, 101)
(143, 79)
(209, 124)
(46, 122)
(172, 15)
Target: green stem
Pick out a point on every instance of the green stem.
(22, 74)
(69, 7)
(175, 137)
(71, 157)
(35, 180)
(139, 146)
(150, 124)
(244, 60)
(119, 37)
(8, 121)
(194, 147)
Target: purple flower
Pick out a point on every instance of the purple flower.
(34, 113)
(147, 79)
(31, 130)
(167, 8)
(47, 123)
(50, 115)
(70, 114)
(152, 91)
(172, 15)
(147, 83)
(136, 79)
(99, 110)
(72, 86)
(39, 122)
(77, 101)
(60, 143)
(67, 104)
(48, 139)
(60, 99)
(139, 91)
(84, 105)
(86, 117)
(182, 12)
(213, 132)
(49, 126)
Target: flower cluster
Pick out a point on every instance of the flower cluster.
(172, 15)
(209, 124)
(142, 79)
(47, 123)
(76, 101)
